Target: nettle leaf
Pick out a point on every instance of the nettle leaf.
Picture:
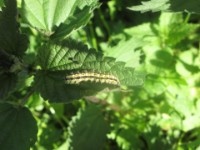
(191, 6)
(125, 51)
(12, 47)
(153, 5)
(62, 58)
(12, 41)
(88, 129)
(8, 82)
(18, 128)
(79, 19)
(58, 18)
(128, 47)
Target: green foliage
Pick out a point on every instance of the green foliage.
(12, 46)
(58, 59)
(172, 29)
(58, 18)
(18, 127)
(153, 5)
(8, 82)
(88, 129)
(155, 57)
(168, 5)
(1, 4)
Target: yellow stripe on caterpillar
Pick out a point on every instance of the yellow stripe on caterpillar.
(91, 76)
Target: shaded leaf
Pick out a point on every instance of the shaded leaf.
(17, 127)
(11, 41)
(8, 83)
(12, 47)
(88, 129)
(59, 59)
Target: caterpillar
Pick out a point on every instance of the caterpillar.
(91, 76)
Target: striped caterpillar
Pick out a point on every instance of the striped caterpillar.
(92, 77)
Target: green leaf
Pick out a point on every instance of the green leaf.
(12, 47)
(1, 4)
(11, 41)
(185, 105)
(59, 59)
(163, 60)
(50, 136)
(125, 140)
(185, 64)
(80, 18)
(17, 127)
(191, 6)
(88, 129)
(61, 17)
(153, 5)
(126, 49)
(8, 83)
(173, 29)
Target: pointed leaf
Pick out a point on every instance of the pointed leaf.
(153, 5)
(81, 18)
(88, 129)
(59, 59)
(11, 41)
(61, 17)
(191, 6)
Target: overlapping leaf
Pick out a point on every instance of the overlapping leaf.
(8, 83)
(88, 129)
(11, 41)
(17, 127)
(12, 47)
(127, 49)
(57, 17)
(58, 59)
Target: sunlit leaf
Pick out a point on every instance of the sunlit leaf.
(59, 59)
(58, 18)
(191, 6)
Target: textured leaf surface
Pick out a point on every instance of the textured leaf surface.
(61, 17)
(8, 83)
(58, 59)
(88, 129)
(191, 6)
(12, 45)
(153, 5)
(17, 127)
(11, 41)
